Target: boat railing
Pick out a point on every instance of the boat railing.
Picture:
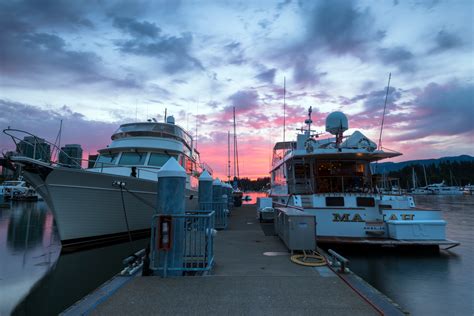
(182, 242)
(46, 153)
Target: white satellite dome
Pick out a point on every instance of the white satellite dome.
(336, 123)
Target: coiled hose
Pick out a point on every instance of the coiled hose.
(314, 259)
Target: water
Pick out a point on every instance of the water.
(428, 283)
(34, 275)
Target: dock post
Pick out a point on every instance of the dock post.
(205, 191)
(218, 205)
(171, 189)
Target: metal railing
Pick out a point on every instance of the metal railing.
(194, 247)
(221, 211)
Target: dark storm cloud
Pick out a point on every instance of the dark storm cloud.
(341, 27)
(445, 41)
(267, 75)
(147, 40)
(441, 110)
(45, 124)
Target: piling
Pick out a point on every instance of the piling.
(205, 191)
(171, 189)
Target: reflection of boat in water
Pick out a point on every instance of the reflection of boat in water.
(331, 179)
(95, 204)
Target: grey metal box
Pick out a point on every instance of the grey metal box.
(296, 229)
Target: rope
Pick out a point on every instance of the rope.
(126, 219)
(309, 260)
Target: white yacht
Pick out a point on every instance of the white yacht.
(331, 179)
(443, 189)
(8, 185)
(89, 205)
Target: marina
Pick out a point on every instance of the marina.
(289, 157)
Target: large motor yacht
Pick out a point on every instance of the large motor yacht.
(120, 190)
(331, 179)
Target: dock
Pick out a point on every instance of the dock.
(252, 275)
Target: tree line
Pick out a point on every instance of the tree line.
(452, 173)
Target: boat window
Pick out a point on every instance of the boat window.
(106, 159)
(133, 158)
(160, 159)
(365, 201)
(334, 201)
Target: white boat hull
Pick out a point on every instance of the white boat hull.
(87, 207)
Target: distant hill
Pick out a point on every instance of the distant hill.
(386, 167)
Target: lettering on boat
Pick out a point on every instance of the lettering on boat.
(346, 217)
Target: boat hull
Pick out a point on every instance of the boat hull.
(88, 207)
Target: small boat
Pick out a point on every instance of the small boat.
(443, 189)
(331, 179)
(18, 190)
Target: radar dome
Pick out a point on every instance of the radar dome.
(170, 119)
(336, 123)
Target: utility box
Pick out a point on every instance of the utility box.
(417, 229)
(265, 211)
(297, 229)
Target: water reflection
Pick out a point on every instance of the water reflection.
(28, 250)
(428, 283)
(26, 226)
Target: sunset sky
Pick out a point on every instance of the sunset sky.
(99, 64)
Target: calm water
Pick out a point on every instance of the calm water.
(428, 284)
(35, 276)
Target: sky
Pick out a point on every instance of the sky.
(98, 64)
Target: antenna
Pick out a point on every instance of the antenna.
(384, 108)
(284, 108)
(196, 141)
(166, 110)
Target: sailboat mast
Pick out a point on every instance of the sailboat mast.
(284, 108)
(424, 172)
(228, 156)
(384, 109)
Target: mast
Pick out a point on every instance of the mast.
(284, 108)
(413, 177)
(236, 154)
(424, 172)
(384, 108)
(228, 156)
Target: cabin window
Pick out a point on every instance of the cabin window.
(159, 159)
(189, 166)
(106, 159)
(334, 201)
(365, 201)
(133, 158)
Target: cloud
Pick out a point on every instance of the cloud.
(305, 72)
(136, 28)
(340, 26)
(48, 13)
(440, 110)
(147, 40)
(398, 56)
(267, 75)
(92, 135)
(243, 101)
(446, 41)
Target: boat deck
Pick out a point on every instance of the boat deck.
(252, 275)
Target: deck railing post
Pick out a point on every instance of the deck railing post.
(205, 191)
